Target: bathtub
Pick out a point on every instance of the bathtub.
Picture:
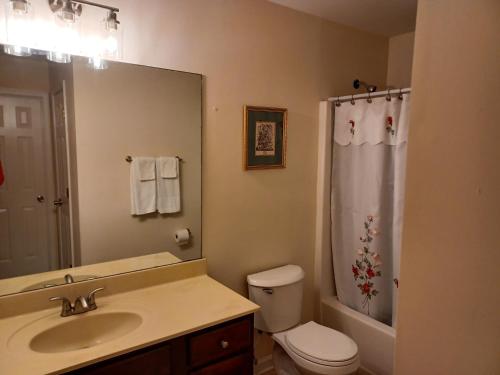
(375, 340)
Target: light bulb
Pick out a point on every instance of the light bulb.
(112, 21)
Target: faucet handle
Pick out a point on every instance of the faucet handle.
(67, 308)
(91, 298)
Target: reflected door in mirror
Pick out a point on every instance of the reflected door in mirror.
(24, 209)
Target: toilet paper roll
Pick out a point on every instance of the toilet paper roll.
(182, 236)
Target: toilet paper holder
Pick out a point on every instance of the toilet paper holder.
(181, 240)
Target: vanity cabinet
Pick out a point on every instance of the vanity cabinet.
(224, 349)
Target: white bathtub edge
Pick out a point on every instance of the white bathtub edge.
(375, 340)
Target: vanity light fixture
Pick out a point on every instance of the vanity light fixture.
(99, 42)
(79, 27)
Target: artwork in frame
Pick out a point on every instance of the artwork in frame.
(264, 137)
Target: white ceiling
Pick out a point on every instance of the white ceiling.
(385, 17)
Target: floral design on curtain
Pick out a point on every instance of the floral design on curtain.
(367, 264)
(388, 126)
(351, 125)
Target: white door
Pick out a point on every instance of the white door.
(24, 196)
(62, 202)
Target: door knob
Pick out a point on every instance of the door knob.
(40, 198)
(58, 202)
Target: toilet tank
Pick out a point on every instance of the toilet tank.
(278, 292)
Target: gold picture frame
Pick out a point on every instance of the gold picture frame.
(264, 137)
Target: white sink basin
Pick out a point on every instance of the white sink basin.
(85, 331)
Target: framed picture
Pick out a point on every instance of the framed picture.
(264, 137)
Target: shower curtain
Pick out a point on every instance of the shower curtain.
(368, 175)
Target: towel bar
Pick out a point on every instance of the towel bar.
(129, 158)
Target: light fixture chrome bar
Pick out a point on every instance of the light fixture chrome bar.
(112, 9)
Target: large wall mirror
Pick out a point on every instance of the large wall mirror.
(100, 170)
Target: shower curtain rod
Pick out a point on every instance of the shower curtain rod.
(376, 94)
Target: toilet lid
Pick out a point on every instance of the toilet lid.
(321, 344)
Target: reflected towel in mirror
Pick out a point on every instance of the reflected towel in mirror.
(167, 187)
(142, 185)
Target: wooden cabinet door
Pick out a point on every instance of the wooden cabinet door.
(162, 359)
(239, 365)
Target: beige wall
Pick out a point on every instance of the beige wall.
(400, 60)
(255, 52)
(134, 110)
(24, 74)
(449, 304)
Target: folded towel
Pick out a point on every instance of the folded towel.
(146, 168)
(142, 185)
(168, 188)
(168, 167)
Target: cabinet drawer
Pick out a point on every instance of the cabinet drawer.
(219, 342)
(241, 365)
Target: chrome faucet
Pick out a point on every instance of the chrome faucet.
(81, 305)
(68, 279)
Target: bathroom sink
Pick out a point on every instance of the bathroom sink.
(85, 331)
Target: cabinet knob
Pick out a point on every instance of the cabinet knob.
(224, 344)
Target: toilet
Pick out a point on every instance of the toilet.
(306, 349)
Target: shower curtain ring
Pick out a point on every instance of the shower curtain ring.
(352, 99)
(337, 103)
(388, 96)
(400, 96)
(369, 100)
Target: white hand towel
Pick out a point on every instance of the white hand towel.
(168, 188)
(146, 168)
(168, 167)
(142, 185)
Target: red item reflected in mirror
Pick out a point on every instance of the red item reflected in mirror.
(2, 177)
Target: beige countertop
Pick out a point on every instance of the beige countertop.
(168, 310)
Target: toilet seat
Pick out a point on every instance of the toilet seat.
(344, 362)
(322, 345)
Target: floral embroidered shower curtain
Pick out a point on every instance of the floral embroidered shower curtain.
(367, 198)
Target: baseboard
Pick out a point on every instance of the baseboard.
(364, 371)
(263, 365)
